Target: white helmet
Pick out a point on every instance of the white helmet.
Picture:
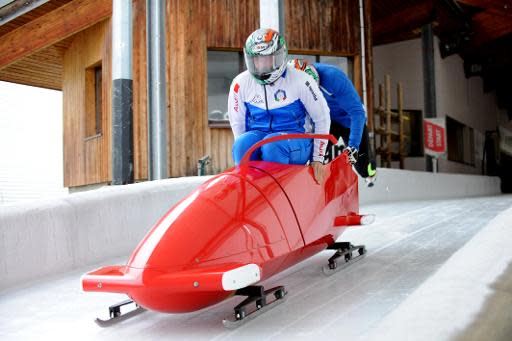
(265, 55)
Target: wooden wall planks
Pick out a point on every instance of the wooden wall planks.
(192, 28)
(86, 160)
(230, 22)
(329, 26)
(187, 84)
(224, 32)
(140, 117)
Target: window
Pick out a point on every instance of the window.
(93, 100)
(412, 127)
(342, 62)
(223, 66)
(461, 146)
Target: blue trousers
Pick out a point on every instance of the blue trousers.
(296, 151)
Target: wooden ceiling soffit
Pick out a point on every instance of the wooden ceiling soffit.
(489, 27)
(402, 23)
(51, 28)
(496, 7)
(42, 69)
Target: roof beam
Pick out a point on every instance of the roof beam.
(405, 20)
(13, 9)
(496, 7)
(488, 27)
(52, 27)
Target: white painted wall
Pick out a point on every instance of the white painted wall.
(464, 100)
(460, 98)
(403, 62)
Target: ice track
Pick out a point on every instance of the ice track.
(407, 245)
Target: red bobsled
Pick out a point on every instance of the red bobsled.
(235, 230)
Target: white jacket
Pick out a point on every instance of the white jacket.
(292, 104)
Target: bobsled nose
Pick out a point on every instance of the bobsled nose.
(173, 291)
(118, 279)
(123, 279)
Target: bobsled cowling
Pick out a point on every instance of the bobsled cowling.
(238, 228)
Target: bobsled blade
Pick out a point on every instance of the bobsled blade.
(346, 254)
(257, 300)
(232, 322)
(116, 316)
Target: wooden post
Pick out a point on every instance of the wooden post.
(380, 126)
(381, 97)
(400, 123)
(388, 120)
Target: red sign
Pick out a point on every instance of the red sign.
(434, 133)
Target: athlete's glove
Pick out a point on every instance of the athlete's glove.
(351, 154)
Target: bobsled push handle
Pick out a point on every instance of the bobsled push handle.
(257, 145)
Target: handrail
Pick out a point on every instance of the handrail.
(258, 144)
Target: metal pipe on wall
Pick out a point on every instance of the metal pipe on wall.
(157, 115)
(272, 15)
(122, 93)
(429, 81)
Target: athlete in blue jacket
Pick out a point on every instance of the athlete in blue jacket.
(272, 98)
(348, 116)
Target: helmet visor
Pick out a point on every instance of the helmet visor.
(262, 66)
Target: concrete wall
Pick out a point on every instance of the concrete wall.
(460, 98)
(58, 235)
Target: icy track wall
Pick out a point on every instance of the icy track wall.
(58, 235)
(400, 185)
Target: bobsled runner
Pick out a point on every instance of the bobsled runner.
(236, 230)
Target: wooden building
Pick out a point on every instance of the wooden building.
(66, 45)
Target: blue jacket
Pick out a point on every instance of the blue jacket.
(343, 101)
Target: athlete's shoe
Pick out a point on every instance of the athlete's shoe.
(370, 180)
(372, 175)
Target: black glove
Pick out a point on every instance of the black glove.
(351, 153)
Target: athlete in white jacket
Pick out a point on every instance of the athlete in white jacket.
(271, 99)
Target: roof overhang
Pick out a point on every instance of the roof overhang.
(11, 9)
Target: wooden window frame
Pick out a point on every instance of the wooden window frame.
(225, 124)
(94, 101)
